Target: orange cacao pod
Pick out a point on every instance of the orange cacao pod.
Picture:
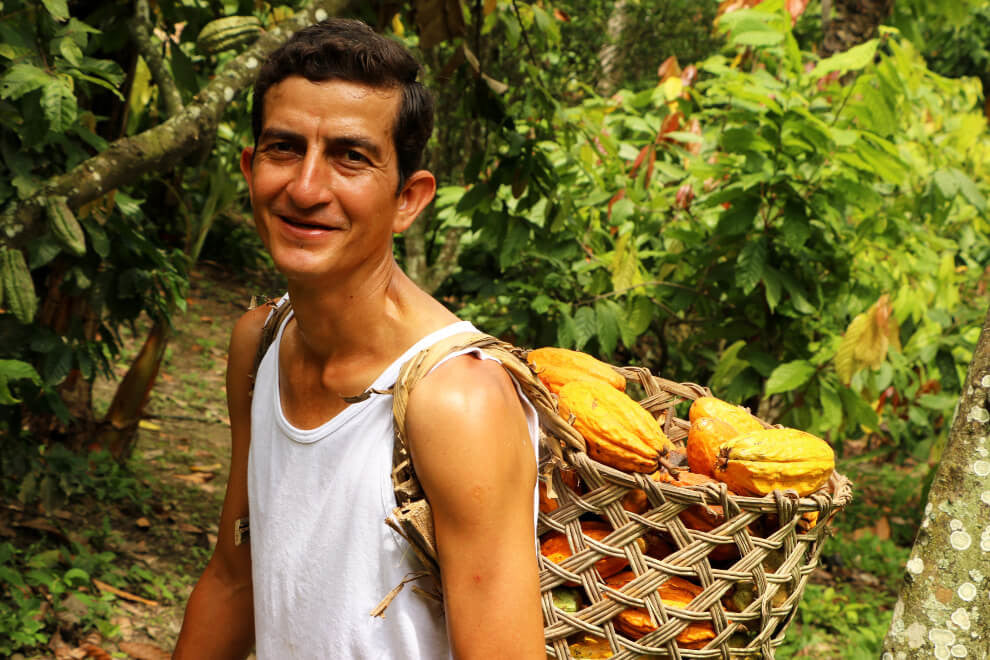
(556, 367)
(705, 437)
(759, 462)
(675, 592)
(735, 416)
(555, 547)
(618, 431)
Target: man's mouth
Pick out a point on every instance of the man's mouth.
(303, 225)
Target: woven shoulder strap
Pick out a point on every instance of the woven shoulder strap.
(512, 359)
(272, 324)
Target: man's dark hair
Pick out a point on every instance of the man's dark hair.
(346, 49)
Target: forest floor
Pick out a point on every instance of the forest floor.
(141, 536)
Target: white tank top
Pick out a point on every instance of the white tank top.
(322, 556)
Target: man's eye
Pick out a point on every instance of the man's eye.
(354, 156)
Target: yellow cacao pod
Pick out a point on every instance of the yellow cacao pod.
(556, 367)
(759, 462)
(735, 416)
(618, 431)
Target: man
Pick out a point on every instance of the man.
(340, 123)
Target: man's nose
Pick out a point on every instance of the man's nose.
(311, 185)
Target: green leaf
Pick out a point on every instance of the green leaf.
(22, 79)
(625, 264)
(11, 370)
(751, 264)
(585, 326)
(789, 376)
(856, 57)
(831, 406)
(756, 39)
(729, 366)
(59, 9)
(970, 190)
(566, 331)
(773, 287)
(59, 103)
(641, 311)
(516, 239)
(607, 316)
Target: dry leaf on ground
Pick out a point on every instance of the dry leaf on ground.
(144, 651)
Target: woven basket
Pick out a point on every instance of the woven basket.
(773, 551)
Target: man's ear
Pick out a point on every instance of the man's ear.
(247, 157)
(415, 195)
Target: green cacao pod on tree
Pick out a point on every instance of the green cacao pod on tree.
(64, 225)
(227, 33)
(18, 289)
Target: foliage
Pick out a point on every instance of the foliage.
(728, 231)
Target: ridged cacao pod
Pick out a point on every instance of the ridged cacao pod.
(556, 367)
(618, 431)
(759, 462)
(705, 437)
(735, 416)
(676, 592)
(555, 547)
(64, 225)
(227, 33)
(18, 288)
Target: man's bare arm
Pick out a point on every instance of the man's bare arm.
(474, 458)
(219, 620)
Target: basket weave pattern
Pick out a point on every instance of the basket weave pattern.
(775, 555)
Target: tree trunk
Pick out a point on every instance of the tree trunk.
(942, 610)
(610, 54)
(855, 22)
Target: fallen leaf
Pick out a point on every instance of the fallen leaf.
(144, 651)
(126, 595)
(195, 477)
(94, 651)
(206, 468)
(148, 426)
(189, 529)
(143, 522)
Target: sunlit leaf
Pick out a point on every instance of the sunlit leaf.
(789, 376)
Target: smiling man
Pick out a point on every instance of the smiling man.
(340, 123)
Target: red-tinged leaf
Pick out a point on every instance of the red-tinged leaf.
(671, 123)
(689, 75)
(649, 167)
(638, 162)
(616, 197)
(670, 67)
(795, 8)
(561, 16)
(729, 6)
(143, 651)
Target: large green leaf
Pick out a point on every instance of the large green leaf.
(59, 103)
(22, 79)
(853, 59)
(11, 370)
(751, 264)
(789, 376)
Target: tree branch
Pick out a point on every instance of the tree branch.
(161, 147)
(140, 28)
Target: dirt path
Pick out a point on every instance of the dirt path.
(183, 449)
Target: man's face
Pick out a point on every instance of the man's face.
(323, 178)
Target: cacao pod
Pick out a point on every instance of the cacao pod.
(618, 431)
(566, 599)
(64, 225)
(705, 437)
(227, 33)
(590, 647)
(675, 592)
(555, 547)
(556, 367)
(705, 518)
(759, 462)
(18, 287)
(735, 416)
(684, 478)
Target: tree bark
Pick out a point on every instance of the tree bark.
(610, 54)
(163, 146)
(942, 610)
(855, 22)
